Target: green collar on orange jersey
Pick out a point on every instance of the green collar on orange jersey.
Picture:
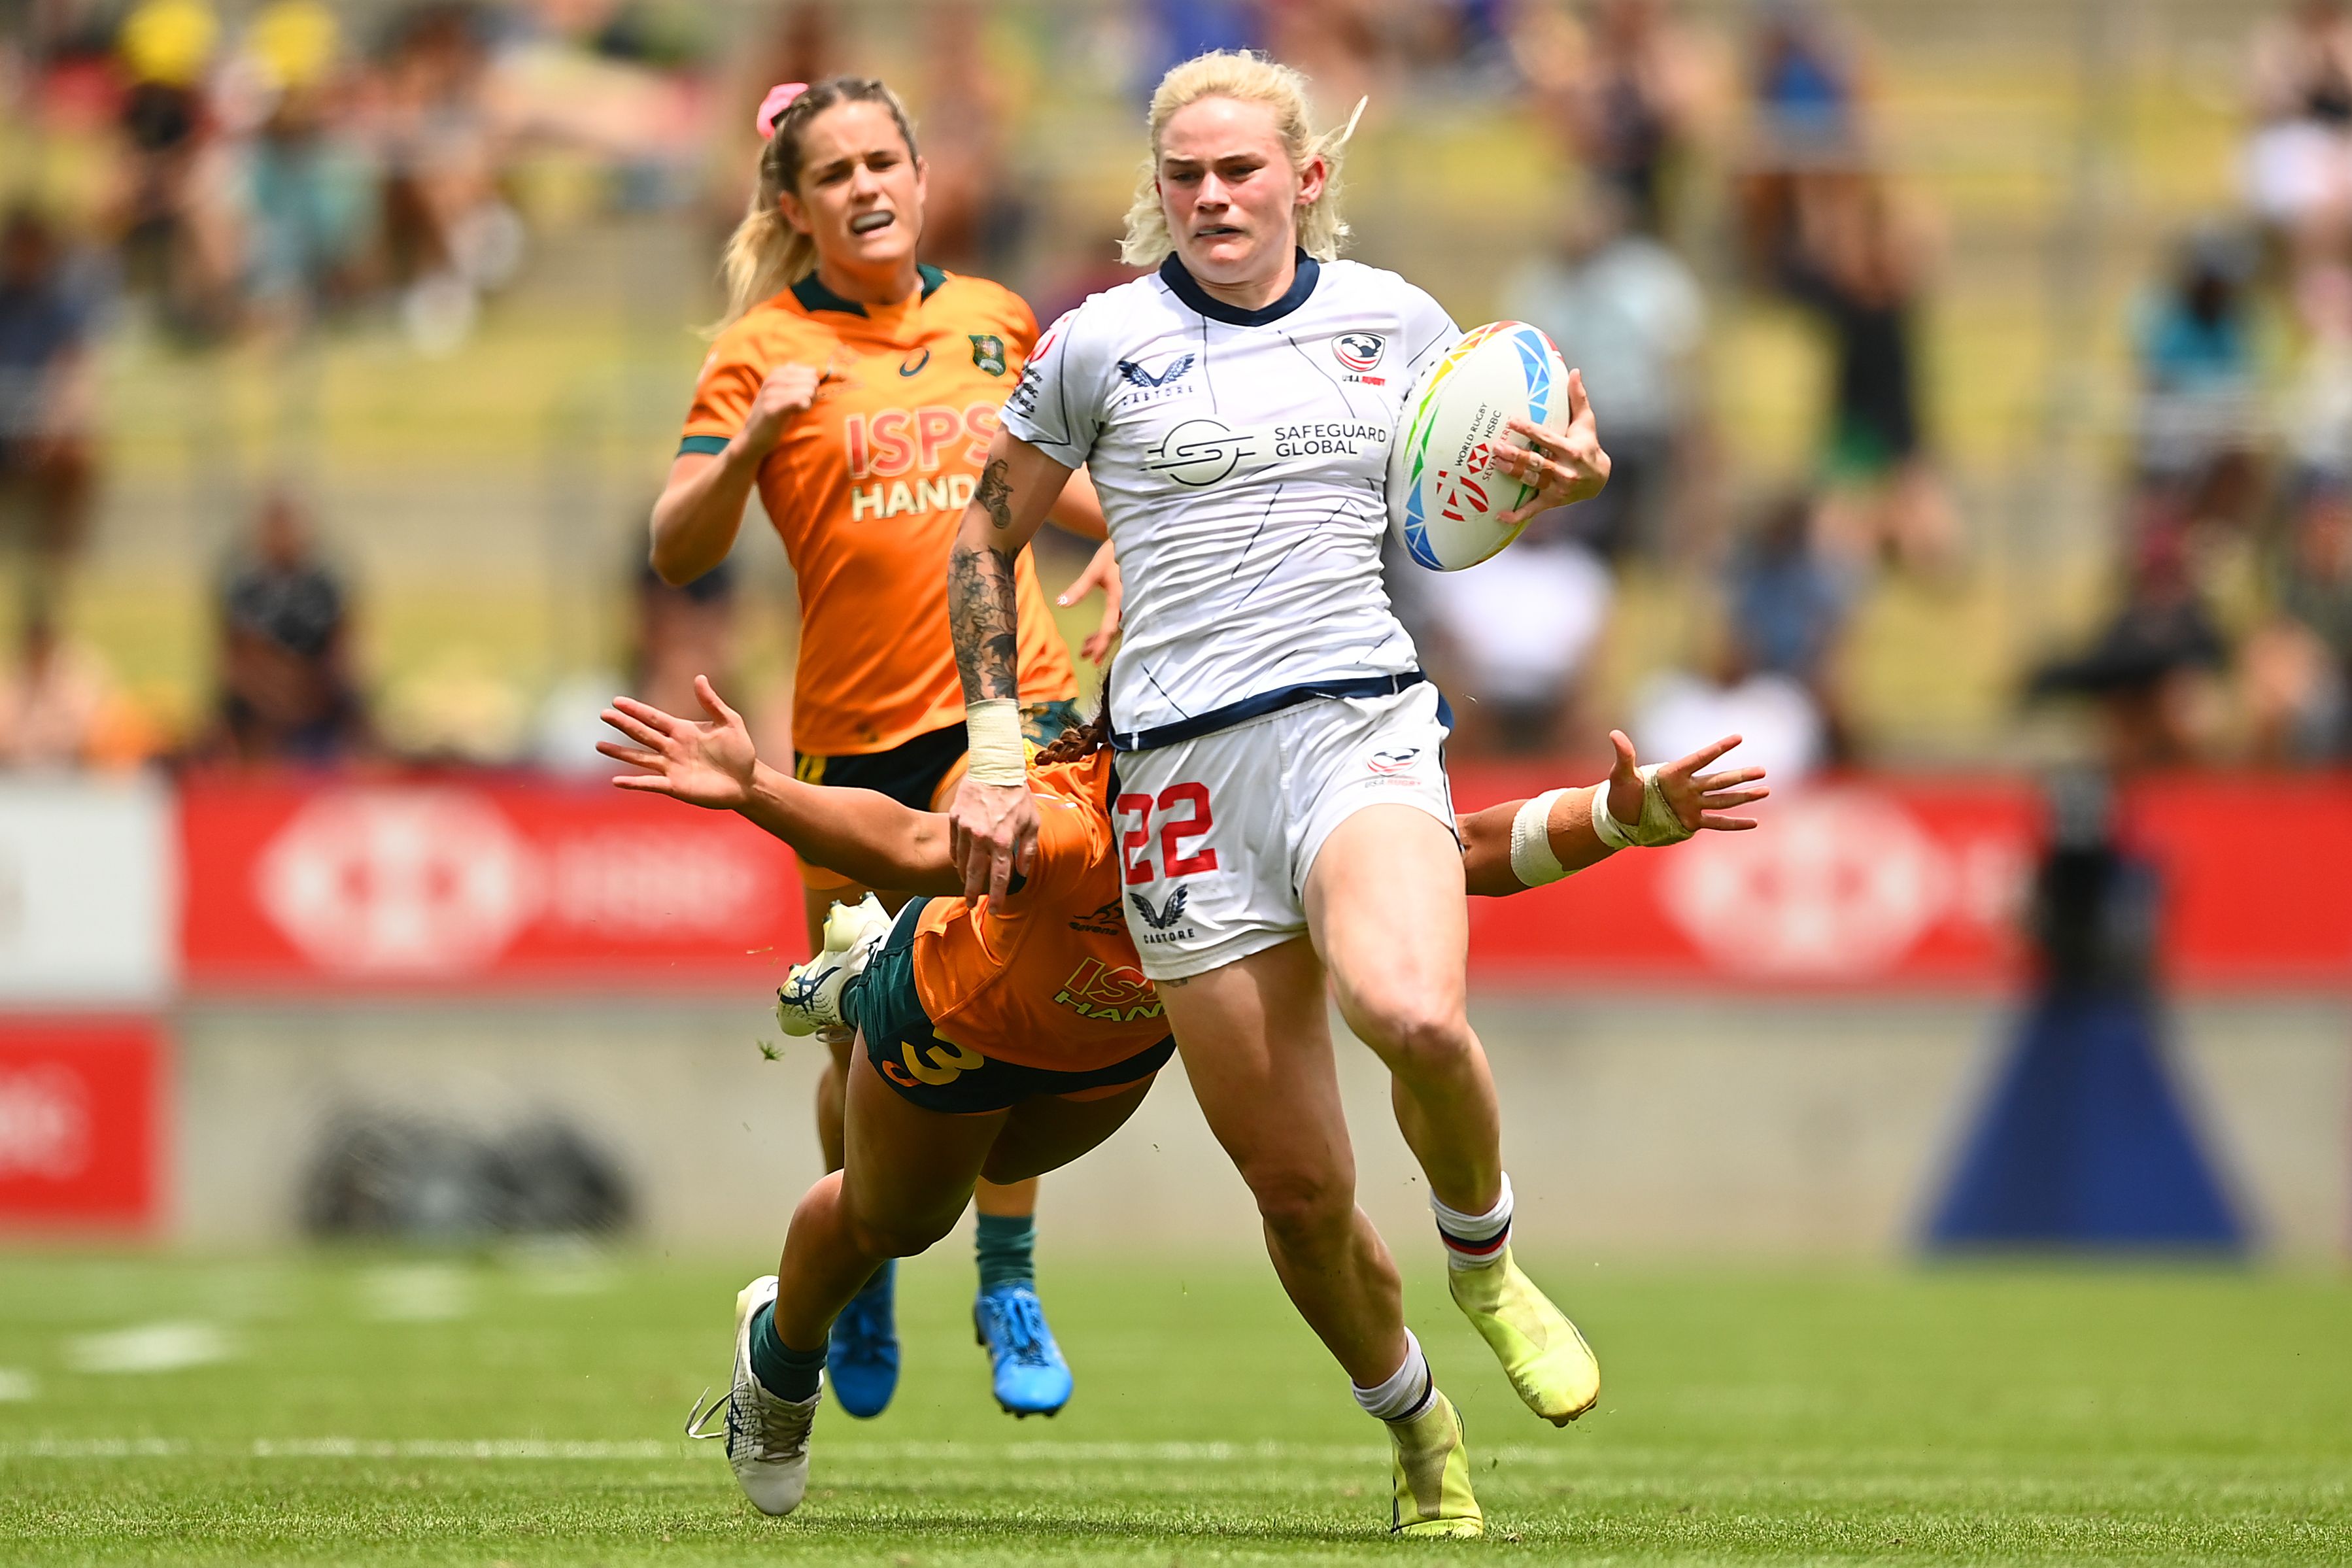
(814, 296)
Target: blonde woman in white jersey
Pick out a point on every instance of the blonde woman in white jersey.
(1282, 801)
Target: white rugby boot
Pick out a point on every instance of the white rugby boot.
(810, 998)
(767, 1438)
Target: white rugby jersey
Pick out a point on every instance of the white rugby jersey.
(1241, 457)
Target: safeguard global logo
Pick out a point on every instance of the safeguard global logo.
(1200, 452)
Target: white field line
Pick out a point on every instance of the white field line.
(499, 1448)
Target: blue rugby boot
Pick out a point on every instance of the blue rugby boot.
(1030, 1376)
(861, 1360)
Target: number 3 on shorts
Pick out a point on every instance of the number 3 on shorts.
(1173, 832)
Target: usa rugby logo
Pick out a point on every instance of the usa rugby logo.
(1359, 351)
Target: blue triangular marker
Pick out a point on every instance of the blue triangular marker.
(2083, 1141)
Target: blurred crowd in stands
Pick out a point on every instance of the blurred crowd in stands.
(293, 164)
(307, 166)
(2241, 448)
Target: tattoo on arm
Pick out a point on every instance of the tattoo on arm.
(994, 495)
(985, 618)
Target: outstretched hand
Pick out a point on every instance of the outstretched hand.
(707, 764)
(1102, 572)
(1700, 800)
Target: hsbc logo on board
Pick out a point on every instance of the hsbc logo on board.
(435, 883)
(388, 882)
(45, 1124)
(1839, 884)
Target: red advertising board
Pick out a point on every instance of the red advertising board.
(1873, 882)
(80, 1123)
(1847, 883)
(1857, 883)
(463, 882)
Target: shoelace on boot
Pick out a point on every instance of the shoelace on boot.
(778, 1428)
(1025, 1328)
(775, 1423)
(861, 1324)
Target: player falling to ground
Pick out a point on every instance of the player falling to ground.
(1279, 766)
(858, 390)
(1007, 1039)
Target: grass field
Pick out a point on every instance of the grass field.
(524, 1409)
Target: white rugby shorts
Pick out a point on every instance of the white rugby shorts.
(1217, 834)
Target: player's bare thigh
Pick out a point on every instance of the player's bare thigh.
(908, 1172)
(1386, 911)
(1256, 1043)
(1049, 1132)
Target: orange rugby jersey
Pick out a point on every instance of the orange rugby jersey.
(866, 487)
(1048, 978)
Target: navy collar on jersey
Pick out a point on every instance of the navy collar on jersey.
(814, 296)
(1172, 273)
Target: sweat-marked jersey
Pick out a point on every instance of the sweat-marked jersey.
(866, 487)
(1048, 978)
(1242, 458)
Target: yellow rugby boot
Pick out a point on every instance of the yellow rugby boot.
(1433, 1475)
(1542, 1354)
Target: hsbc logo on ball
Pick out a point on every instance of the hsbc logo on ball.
(443, 882)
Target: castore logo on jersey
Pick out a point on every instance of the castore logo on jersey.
(1135, 375)
(1161, 917)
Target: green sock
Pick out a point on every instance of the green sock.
(783, 1371)
(1004, 1243)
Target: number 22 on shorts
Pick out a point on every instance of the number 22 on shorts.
(1173, 833)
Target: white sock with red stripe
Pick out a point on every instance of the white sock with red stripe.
(1474, 1240)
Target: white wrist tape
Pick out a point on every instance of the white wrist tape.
(1658, 826)
(1606, 827)
(1532, 859)
(992, 735)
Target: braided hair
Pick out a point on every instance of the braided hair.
(1080, 741)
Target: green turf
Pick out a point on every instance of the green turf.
(525, 1410)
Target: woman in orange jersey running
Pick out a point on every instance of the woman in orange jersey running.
(1007, 1039)
(857, 389)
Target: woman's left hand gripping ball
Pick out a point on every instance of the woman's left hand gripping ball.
(702, 764)
(1565, 466)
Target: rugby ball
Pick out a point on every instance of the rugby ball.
(1445, 497)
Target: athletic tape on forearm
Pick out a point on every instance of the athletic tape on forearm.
(1533, 861)
(1659, 823)
(992, 735)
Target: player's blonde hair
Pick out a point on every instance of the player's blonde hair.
(766, 254)
(1251, 79)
